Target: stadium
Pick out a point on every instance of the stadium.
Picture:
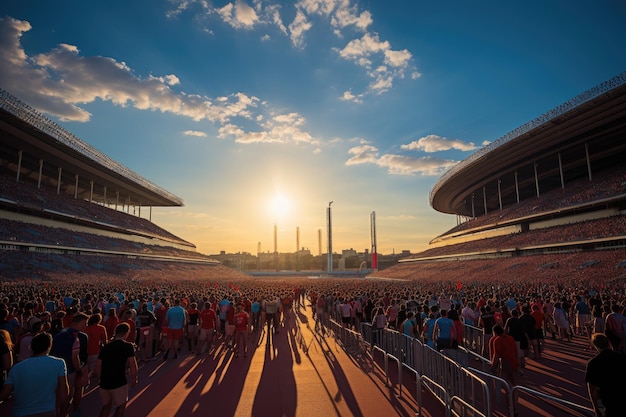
(66, 208)
(544, 202)
(540, 213)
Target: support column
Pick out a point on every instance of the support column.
(19, 165)
(516, 187)
(588, 161)
(485, 198)
(536, 179)
(90, 191)
(117, 199)
(500, 193)
(76, 187)
(59, 181)
(561, 172)
(473, 208)
(40, 171)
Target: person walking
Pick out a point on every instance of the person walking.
(242, 323)
(38, 383)
(71, 345)
(113, 360)
(175, 320)
(605, 378)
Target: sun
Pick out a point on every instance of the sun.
(279, 206)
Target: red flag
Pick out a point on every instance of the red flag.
(459, 285)
(217, 285)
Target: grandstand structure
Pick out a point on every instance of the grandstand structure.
(548, 198)
(61, 200)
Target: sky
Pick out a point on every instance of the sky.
(259, 113)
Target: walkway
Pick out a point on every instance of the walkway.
(298, 373)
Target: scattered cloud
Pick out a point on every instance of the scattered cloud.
(382, 64)
(362, 154)
(434, 143)
(406, 165)
(399, 164)
(239, 15)
(348, 96)
(60, 81)
(195, 133)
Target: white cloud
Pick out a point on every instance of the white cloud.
(298, 27)
(239, 15)
(368, 48)
(368, 51)
(406, 165)
(398, 164)
(195, 133)
(434, 143)
(348, 96)
(58, 82)
(362, 154)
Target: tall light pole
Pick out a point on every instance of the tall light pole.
(373, 238)
(330, 239)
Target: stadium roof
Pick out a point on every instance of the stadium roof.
(22, 128)
(584, 135)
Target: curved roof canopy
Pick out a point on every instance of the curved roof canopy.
(581, 136)
(48, 147)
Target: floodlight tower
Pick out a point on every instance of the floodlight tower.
(297, 247)
(373, 238)
(319, 242)
(276, 247)
(330, 238)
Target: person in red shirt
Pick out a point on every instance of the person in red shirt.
(503, 354)
(127, 317)
(242, 321)
(97, 337)
(208, 326)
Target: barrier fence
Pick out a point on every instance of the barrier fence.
(460, 379)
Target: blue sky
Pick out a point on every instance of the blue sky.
(258, 112)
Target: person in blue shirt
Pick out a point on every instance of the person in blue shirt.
(176, 320)
(428, 329)
(444, 331)
(38, 383)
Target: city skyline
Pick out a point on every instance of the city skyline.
(258, 113)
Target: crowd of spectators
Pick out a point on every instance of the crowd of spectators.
(580, 231)
(25, 195)
(16, 231)
(605, 184)
(450, 286)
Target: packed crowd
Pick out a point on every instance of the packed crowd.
(605, 184)
(28, 195)
(583, 230)
(163, 319)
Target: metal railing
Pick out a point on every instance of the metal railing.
(460, 379)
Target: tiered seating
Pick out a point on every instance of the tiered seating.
(46, 201)
(604, 185)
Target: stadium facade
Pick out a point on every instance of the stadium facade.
(556, 185)
(67, 207)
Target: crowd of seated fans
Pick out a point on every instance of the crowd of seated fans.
(15, 231)
(602, 266)
(585, 230)
(605, 184)
(25, 194)
(45, 266)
